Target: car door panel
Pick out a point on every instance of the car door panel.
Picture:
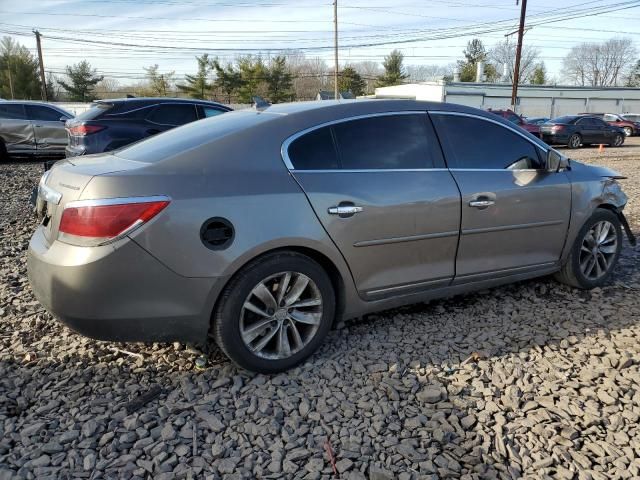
(49, 131)
(525, 227)
(514, 214)
(406, 234)
(15, 129)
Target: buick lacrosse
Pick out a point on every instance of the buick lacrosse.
(260, 228)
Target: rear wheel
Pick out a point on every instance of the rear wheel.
(575, 141)
(595, 252)
(627, 131)
(275, 312)
(618, 140)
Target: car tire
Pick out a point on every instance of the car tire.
(628, 131)
(574, 141)
(578, 269)
(618, 140)
(265, 337)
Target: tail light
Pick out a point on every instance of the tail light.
(557, 128)
(83, 130)
(97, 222)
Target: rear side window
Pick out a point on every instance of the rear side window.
(12, 111)
(385, 142)
(479, 144)
(173, 114)
(46, 114)
(314, 151)
(211, 112)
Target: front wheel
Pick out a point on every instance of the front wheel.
(627, 131)
(275, 312)
(574, 141)
(618, 140)
(595, 252)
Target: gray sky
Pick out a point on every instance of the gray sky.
(130, 34)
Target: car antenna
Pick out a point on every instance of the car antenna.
(260, 103)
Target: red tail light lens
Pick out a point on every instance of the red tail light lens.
(557, 128)
(83, 130)
(96, 222)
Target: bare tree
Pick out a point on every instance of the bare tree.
(310, 75)
(600, 64)
(504, 53)
(108, 88)
(429, 73)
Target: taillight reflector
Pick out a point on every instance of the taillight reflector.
(102, 221)
(82, 130)
(557, 128)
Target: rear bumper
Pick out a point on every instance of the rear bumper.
(119, 292)
(555, 139)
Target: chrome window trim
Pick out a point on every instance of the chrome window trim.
(284, 150)
(543, 147)
(373, 170)
(100, 202)
(153, 105)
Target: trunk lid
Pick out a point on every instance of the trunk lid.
(66, 181)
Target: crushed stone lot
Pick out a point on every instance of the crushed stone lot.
(530, 380)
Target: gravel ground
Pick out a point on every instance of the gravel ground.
(529, 380)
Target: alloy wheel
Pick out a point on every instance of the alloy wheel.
(627, 131)
(281, 315)
(598, 250)
(574, 141)
(617, 141)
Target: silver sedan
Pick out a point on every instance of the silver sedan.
(260, 228)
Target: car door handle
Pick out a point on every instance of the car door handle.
(481, 203)
(344, 210)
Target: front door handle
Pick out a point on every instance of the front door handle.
(484, 203)
(344, 210)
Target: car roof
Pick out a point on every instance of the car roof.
(154, 100)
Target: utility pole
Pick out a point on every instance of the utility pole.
(516, 69)
(43, 81)
(10, 79)
(335, 40)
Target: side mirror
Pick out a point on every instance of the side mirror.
(63, 119)
(556, 162)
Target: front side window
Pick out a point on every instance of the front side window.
(385, 142)
(211, 112)
(173, 114)
(611, 118)
(473, 143)
(45, 114)
(12, 111)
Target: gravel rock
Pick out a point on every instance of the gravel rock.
(533, 380)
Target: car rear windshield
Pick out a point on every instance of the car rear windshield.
(95, 111)
(192, 135)
(566, 119)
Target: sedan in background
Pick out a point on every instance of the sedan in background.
(632, 117)
(112, 124)
(262, 228)
(32, 129)
(513, 117)
(537, 120)
(577, 130)
(629, 127)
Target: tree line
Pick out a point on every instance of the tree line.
(296, 77)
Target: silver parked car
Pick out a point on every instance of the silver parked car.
(32, 128)
(260, 228)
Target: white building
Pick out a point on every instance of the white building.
(533, 100)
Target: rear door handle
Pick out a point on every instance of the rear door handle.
(345, 210)
(481, 203)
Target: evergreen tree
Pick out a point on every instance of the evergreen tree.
(19, 75)
(473, 54)
(228, 79)
(159, 83)
(279, 81)
(350, 81)
(394, 72)
(198, 86)
(82, 80)
(253, 74)
(539, 76)
(634, 76)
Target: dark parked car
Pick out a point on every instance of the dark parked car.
(537, 120)
(576, 130)
(513, 117)
(262, 228)
(629, 127)
(32, 128)
(111, 124)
